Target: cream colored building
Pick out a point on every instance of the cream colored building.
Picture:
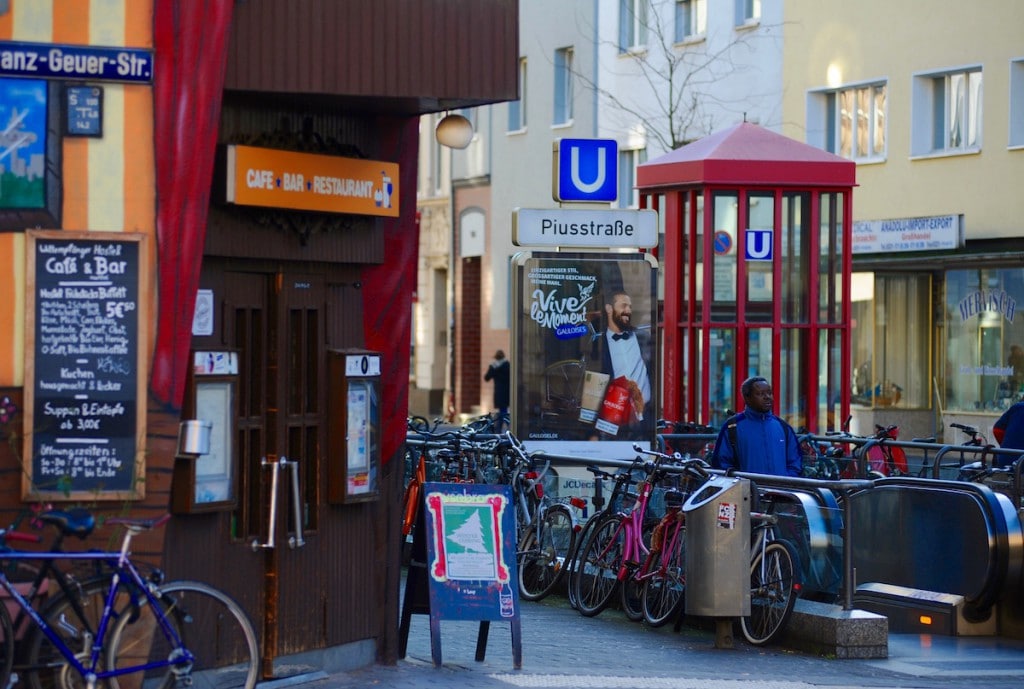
(928, 98)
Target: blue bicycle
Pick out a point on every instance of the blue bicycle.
(128, 624)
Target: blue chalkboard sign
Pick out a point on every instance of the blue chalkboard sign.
(471, 556)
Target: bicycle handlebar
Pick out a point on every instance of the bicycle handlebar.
(688, 463)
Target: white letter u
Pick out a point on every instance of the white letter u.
(574, 170)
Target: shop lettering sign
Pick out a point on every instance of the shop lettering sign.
(997, 301)
(934, 233)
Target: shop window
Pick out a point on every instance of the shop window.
(984, 358)
(891, 333)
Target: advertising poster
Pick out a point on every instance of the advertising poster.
(471, 551)
(585, 346)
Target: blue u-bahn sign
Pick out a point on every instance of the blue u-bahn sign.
(586, 170)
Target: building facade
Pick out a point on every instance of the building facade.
(935, 284)
(650, 74)
(937, 130)
(212, 231)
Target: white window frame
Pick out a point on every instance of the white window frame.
(748, 12)
(931, 133)
(691, 20)
(825, 121)
(629, 159)
(1016, 133)
(632, 26)
(517, 108)
(563, 97)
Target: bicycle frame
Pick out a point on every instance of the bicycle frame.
(124, 571)
(631, 524)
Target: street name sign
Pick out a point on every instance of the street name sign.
(572, 227)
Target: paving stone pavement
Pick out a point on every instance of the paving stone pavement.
(561, 648)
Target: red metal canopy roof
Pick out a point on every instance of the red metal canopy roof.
(747, 155)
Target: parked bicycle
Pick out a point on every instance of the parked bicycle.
(603, 508)
(663, 574)
(547, 526)
(618, 546)
(180, 631)
(884, 459)
(775, 581)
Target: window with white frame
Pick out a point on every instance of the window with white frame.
(947, 110)
(629, 197)
(691, 19)
(1017, 103)
(632, 24)
(855, 121)
(563, 86)
(748, 12)
(517, 108)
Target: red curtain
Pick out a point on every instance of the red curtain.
(388, 287)
(191, 41)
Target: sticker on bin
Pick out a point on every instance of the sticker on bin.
(727, 515)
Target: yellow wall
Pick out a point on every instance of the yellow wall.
(883, 40)
(108, 183)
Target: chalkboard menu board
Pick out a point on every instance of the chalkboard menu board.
(85, 365)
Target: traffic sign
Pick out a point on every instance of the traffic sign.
(759, 245)
(723, 242)
(572, 227)
(586, 170)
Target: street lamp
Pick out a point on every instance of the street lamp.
(454, 131)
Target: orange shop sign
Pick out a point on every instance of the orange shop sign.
(305, 181)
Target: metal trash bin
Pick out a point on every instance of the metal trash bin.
(718, 548)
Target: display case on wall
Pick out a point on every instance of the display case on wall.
(354, 426)
(207, 482)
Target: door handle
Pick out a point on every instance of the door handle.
(295, 540)
(272, 525)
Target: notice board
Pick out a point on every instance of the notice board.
(85, 366)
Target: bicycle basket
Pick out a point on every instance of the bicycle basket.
(674, 499)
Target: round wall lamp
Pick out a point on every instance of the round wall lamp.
(454, 131)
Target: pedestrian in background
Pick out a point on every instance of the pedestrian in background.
(756, 440)
(1008, 430)
(498, 371)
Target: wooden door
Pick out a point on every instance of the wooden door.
(280, 431)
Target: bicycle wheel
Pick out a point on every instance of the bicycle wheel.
(572, 581)
(599, 564)
(773, 591)
(6, 646)
(631, 591)
(665, 589)
(75, 619)
(218, 644)
(547, 548)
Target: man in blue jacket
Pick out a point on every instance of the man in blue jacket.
(755, 440)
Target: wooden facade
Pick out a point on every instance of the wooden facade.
(331, 77)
